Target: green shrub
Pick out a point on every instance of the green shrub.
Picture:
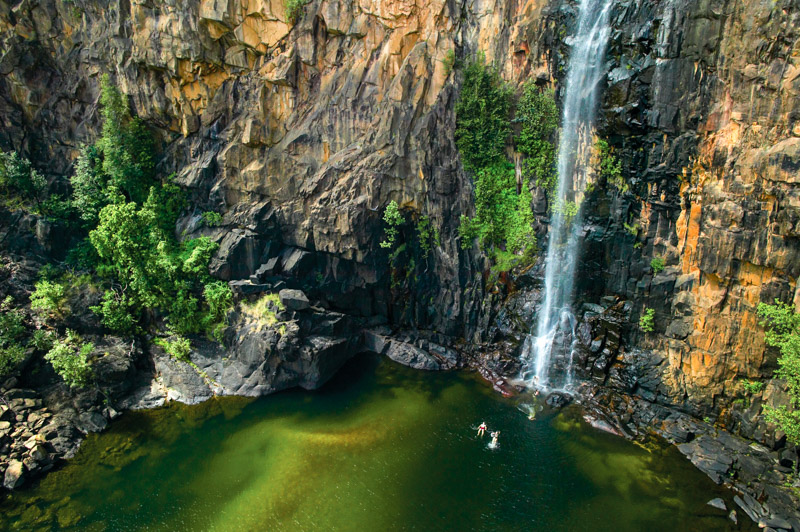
(782, 324)
(566, 208)
(608, 166)
(12, 326)
(42, 340)
(115, 311)
(752, 387)
(219, 299)
(632, 230)
(393, 219)
(482, 116)
(211, 218)
(449, 62)
(10, 358)
(177, 347)
(428, 235)
(70, 359)
(657, 264)
(647, 320)
(294, 10)
(19, 180)
(50, 298)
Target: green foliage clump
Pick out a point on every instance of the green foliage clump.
(657, 264)
(752, 387)
(12, 329)
(647, 320)
(567, 209)
(393, 219)
(70, 359)
(50, 298)
(538, 115)
(632, 229)
(265, 309)
(294, 9)
(449, 62)
(219, 299)
(502, 215)
(608, 166)
(211, 218)
(177, 347)
(42, 340)
(428, 235)
(782, 324)
(19, 181)
(482, 116)
(120, 166)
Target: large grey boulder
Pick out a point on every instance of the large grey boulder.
(293, 299)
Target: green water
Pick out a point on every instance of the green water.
(381, 447)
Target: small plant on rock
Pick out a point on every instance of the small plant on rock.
(211, 218)
(752, 387)
(647, 320)
(49, 298)
(294, 10)
(70, 359)
(177, 347)
(657, 264)
(393, 220)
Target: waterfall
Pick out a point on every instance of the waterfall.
(555, 327)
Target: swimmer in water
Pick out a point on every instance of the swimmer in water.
(482, 428)
(495, 434)
(532, 413)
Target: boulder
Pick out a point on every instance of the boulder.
(14, 476)
(293, 299)
(411, 356)
(558, 400)
(717, 503)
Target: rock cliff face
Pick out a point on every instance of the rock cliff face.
(302, 133)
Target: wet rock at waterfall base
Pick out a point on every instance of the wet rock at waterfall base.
(558, 400)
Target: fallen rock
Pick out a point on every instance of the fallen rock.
(411, 356)
(14, 475)
(717, 503)
(293, 299)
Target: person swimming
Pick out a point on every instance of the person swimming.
(494, 435)
(482, 428)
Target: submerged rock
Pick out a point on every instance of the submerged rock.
(717, 503)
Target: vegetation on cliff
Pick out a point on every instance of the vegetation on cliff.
(782, 324)
(503, 221)
(127, 248)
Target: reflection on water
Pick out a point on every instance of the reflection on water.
(381, 447)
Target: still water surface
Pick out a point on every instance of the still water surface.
(380, 447)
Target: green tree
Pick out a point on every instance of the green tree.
(537, 115)
(482, 116)
(70, 359)
(120, 166)
(18, 179)
(782, 323)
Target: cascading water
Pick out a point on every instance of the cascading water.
(555, 322)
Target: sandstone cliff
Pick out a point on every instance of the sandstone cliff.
(301, 134)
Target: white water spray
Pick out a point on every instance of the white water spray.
(555, 325)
